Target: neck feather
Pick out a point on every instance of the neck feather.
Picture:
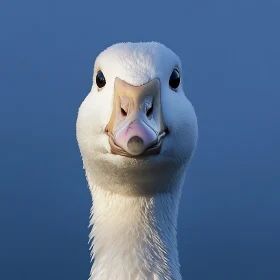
(134, 237)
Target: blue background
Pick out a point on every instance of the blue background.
(229, 225)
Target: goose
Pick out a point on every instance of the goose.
(137, 133)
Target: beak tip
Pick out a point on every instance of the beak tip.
(135, 145)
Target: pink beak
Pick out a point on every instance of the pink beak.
(136, 124)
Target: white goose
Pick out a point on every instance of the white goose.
(137, 132)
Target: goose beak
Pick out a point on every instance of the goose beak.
(136, 126)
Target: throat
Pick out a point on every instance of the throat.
(134, 237)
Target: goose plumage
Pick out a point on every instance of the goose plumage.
(137, 133)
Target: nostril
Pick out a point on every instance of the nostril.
(124, 113)
(150, 111)
(124, 105)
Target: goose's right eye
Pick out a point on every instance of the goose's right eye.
(100, 79)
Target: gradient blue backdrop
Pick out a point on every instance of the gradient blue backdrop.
(229, 226)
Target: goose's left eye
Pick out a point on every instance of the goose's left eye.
(174, 80)
(100, 79)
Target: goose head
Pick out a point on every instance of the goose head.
(136, 129)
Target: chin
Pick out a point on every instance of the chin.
(144, 175)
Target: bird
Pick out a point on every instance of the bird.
(137, 133)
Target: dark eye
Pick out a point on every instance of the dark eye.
(100, 79)
(174, 80)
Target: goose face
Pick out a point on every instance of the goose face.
(136, 129)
